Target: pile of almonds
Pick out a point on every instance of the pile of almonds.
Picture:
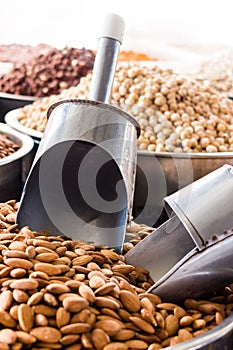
(7, 146)
(176, 114)
(48, 73)
(62, 294)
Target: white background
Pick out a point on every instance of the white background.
(149, 23)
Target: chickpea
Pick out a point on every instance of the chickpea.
(152, 139)
(190, 110)
(197, 127)
(116, 96)
(164, 90)
(231, 140)
(152, 148)
(210, 132)
(223, 109)
(180, 111)
(160, 147)
(179, 129)
(142, 146)
(175, 117)
(189, 129)
(164, 108)
(211, 149)
(185, 117)
(223, 148)
(169, 148)
(198, 110)
(147, 134)
(178, 123)
(182, 92)
(140, 138)
(221, 127)
(173, 107)
(158, 101)
(153, 120)
(167, 115)
(129, 101)
(220, 140)
(161, 137)
(122, 90)
(187, 143)
(157, 128)
(199, 148)
(193, 142)
(204, 142)
(171, 95)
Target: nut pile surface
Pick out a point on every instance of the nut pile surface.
(49, 73)
(7, 146)
(176, 114)
(62, 294)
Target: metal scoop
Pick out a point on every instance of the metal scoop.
(191, 254)
(82, 179)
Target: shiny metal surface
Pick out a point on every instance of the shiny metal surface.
(81, 138)
(81, 182)
(161, 174)
(199, 274)
(191, 254)
(205, 207)
(9, 102)
(162, 249)
(102, 79)
(106, 58)
(11, 167)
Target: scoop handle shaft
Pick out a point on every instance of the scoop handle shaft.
(106, 59)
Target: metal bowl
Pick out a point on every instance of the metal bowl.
(11, 101)
(161, 174)
(14, 168)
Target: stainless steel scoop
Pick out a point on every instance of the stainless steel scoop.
(191, 254)
(81, 182)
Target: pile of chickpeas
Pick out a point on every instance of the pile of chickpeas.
(176, 114)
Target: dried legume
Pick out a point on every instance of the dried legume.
(176, 114)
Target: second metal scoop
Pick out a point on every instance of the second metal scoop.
(191, 254)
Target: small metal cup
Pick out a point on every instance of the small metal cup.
(190, 255)
(205, 207)
(81, 183)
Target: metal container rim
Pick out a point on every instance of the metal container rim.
(100, 104)
(9, 96)
(25, 147)
(199, 155)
